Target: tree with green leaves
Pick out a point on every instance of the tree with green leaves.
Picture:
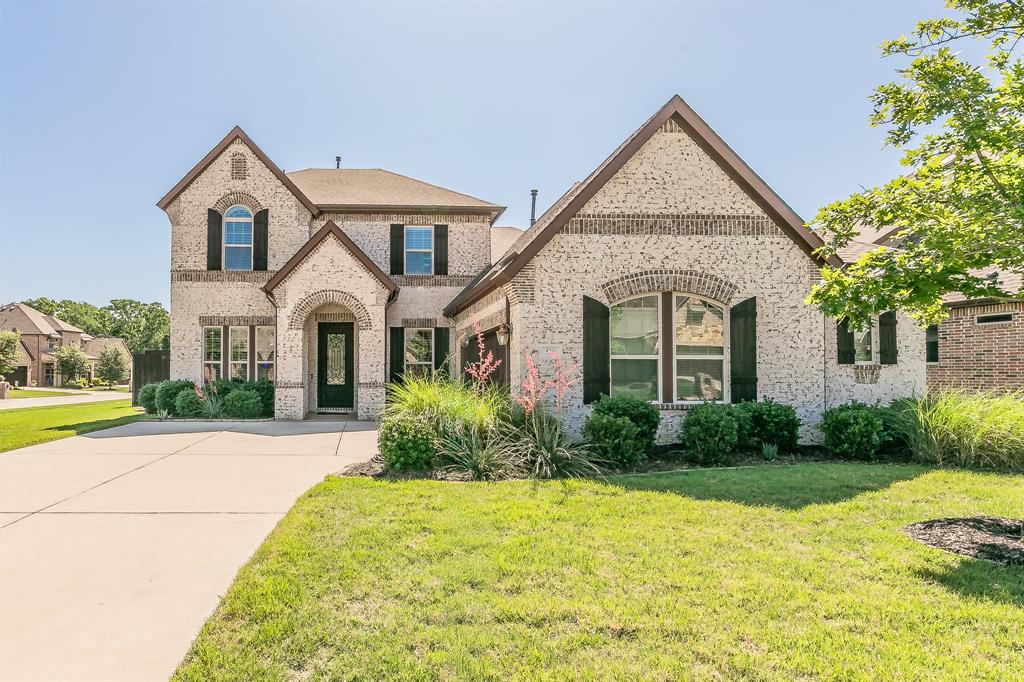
(143, 326)
(71, 361)
(112, 365)
(10, 343)
(960, 209)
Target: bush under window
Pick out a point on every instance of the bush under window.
(710, 433)
(616, 440)
(768, 422)
(853, 431)
(406, 442)
(243, 403)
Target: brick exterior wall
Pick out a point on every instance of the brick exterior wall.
(672, 218)
(980, 356)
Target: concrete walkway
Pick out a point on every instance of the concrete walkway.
(67, 399)
(116, 546)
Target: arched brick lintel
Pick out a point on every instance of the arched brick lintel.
(310, 303)
(669, 279)
(239, 198)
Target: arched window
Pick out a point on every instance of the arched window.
(700, 349)
(238, 238)
(634, 326)
(690, 366)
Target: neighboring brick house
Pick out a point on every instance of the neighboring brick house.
(41, 335)
(94, 345)
(981, 344)
(672, 273)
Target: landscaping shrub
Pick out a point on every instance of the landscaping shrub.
(265, 390)
(853, 431)
(444, 402)
(540, 442)
(147, 398)
(167, 392)
(966, 429)
(76, 383)
(243, 403)
(616, 440)
(100, 383)
(710, 433)
(476, 452)
(768, 422)
(224, 386)
(406, 442)
(641, 413)
(187, 405)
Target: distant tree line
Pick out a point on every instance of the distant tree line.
(143, 326)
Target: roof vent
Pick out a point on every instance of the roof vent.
(337, 162)
(533, 207)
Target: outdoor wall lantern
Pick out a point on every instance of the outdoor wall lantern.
(502, 334)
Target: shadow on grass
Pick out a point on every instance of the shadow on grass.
(784, 486)
(980, 579)
(87, 427)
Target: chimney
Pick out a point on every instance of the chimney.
(533, 207)
(337, 162)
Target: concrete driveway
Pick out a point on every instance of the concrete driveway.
(116, 546)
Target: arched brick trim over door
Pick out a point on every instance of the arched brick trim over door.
(310, 303)
(239, 198)
(669, 279)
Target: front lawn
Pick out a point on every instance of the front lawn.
(767, 572)
(22, 393)
(28, 426)
(108, 389)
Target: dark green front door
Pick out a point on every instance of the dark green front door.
(334, 365)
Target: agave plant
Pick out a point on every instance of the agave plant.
(210, 401)
(474, 450)
(540, 442)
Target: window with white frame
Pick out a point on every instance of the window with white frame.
(238, 349)
(419, 351)
(266, 351)
(634, 327)
(238, 238)
(211, 353)
(863, 345)
(699, 349)
(419, 250)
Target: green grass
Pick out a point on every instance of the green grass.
(115, 389)
(36, 394)
(28, 426)
(774, 572)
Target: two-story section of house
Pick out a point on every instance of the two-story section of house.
(326, 281)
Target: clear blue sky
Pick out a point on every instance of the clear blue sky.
(105, 106)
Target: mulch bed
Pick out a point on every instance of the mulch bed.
(980, 537)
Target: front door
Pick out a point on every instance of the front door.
(334, 365)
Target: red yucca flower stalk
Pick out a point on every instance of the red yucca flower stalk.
(486, 365)
(533, 390)
(199, 391)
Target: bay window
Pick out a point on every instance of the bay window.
(266, 352)
(238, 350)
(211, 353)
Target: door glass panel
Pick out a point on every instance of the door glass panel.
(336, 359)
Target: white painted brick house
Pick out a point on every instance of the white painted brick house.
(672, 273)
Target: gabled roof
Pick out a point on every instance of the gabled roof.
(239, 134)
(62, 326)
(330, 229)
(527, 246)
(29, 320)
(377, 188)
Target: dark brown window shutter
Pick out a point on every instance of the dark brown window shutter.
(743, 350)
(441, 348)
(397, 354)
(844, 343)
(887, 338)
(213, 237)
(259, 239)
(931, 343)
(440, 249)
(596, 350)
(398, 249)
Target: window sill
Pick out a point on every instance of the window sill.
(866, 373)
(684, 406)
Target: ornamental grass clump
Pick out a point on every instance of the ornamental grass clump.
(538, 440)
(965, 428)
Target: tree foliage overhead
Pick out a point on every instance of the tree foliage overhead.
(143, 326)
(112, 365)
(960, 209)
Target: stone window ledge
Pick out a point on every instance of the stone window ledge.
(866, 374)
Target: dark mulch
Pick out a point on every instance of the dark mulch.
(376, 468)
(980, 537)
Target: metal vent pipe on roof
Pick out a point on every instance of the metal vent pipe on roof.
(337, 162)
(533, 207)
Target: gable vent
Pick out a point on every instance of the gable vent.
(238, 167)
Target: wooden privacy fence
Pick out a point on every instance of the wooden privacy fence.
(149, 367)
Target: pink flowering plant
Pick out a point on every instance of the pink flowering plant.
(209, 400)
(534, 389)
(486, 364)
